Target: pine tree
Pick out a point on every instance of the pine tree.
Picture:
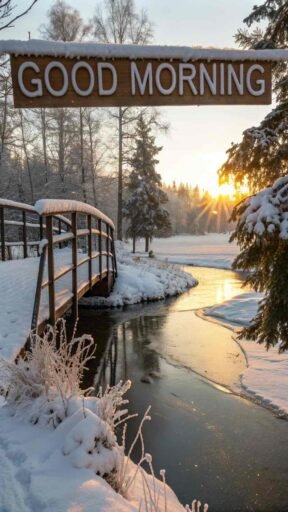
(262, 233)
(143, 208)
(262, 155)
(260, 159)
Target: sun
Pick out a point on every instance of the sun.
(225, 190)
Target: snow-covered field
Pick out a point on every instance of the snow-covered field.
(142, 280)
(212, 250)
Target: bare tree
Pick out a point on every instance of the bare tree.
(65, 24)
(9, 12)
(119, 22)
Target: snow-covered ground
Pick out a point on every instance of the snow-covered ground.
(44, 469)
(141, 280)
(212, 250)
(18, 279)
(265, 378)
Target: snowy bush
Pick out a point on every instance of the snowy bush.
(43, 389)
(49, 377)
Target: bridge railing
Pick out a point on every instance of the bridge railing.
(89, 242)
(22, 229)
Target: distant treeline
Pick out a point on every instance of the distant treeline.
(195, 212)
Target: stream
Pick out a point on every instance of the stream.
(214, 445)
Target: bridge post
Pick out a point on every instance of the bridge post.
(107, 248)
(74, 271)
(3, 252)
(25, 252)
(90, 250)
(49, 233)
(100, 247)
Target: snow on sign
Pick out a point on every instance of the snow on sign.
(47, 81)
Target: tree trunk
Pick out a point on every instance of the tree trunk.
(146, 243)
(92, 167)
(83, 177)
(120, 176)
(134, 245)
(26, 156)
(61, 163)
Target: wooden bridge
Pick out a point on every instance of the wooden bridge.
(53, 253)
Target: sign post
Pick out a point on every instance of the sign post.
(46, 81)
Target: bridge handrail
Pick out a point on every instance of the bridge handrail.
(61, 206)
(104, 230)
(25, 209)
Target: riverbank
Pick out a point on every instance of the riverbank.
(209, 440)
(265, 378)
(142, 279)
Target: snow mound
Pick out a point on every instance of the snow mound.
(239, 310)
(91, 444)
(142, 279)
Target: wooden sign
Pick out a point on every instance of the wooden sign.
(64, 82)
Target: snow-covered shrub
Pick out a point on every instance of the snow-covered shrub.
(44, 389)
(41, 385)
(92, 444)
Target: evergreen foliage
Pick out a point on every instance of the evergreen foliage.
(259, 160)
(262, 155)
(262, 233)
(143, 208)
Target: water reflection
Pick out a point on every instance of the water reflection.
(210, 442)
(215, 286)
(128, 343)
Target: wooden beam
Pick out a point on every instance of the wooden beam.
(3, 251)
(51, 288)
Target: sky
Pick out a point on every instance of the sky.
(198, 138)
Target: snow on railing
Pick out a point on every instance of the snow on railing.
(16, 205)
(128, 51)
(58, 206)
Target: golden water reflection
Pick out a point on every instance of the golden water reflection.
(215, 286)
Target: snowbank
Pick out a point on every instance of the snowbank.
(142, 279)
(44, 469)
(266, 375)
(237, 311)
(211, 250)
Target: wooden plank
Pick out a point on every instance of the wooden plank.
(146, 82)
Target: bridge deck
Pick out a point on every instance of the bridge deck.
(18, 280)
